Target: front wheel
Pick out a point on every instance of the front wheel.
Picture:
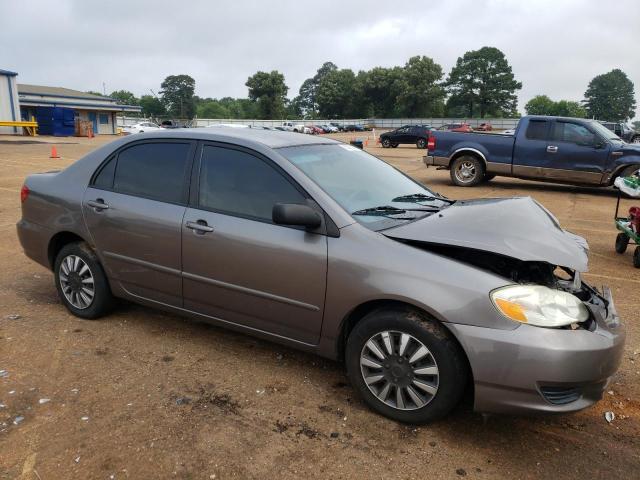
(622, 240)
(405, 366)
(81, 282)
(421, 143)
(386, 143)
(467, 171)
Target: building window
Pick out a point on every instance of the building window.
(104, 119)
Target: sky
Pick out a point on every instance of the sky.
(554, 47)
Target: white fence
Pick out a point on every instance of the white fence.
(497, 123)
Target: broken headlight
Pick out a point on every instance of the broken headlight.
(538, 305)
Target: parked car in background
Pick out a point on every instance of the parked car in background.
(339, 126)
(456, 127)
(624, 131)
(407, 134)
(175, 124)
(330, 128)
(140, 128)
(293, 127)
(353, 128)
(315, 130)
(550, 149)
(484, 127)
(268, 234)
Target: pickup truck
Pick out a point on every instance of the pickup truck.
(549, 149)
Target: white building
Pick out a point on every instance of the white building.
(9, 107)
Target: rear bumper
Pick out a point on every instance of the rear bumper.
(430, 160)
(512, 368)
(34, 239)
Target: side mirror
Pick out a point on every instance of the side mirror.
(296, 214)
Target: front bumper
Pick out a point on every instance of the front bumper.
(430, 160)
(512, 368)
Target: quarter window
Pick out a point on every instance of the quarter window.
(537, 130)
(238, 183)
(572, 133)
(153, 170)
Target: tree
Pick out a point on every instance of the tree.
(379, 88)
(335, 94)
(124, 97)
(420, 92)
(484, 82)
(543, 105)
(151, 106)
(177, 95)
(610, 97)
(306, 99)
(269, 92)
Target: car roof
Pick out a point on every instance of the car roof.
(243, 136)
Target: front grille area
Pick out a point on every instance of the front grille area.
(561, 395)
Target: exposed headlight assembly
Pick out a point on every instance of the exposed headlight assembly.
(538, 305)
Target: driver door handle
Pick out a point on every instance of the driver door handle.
(98, 204)
(199, 227)
(552, 149)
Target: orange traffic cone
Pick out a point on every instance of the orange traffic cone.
(54, 152)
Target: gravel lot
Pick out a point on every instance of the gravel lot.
(144, 394)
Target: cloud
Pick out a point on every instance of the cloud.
(555, 48)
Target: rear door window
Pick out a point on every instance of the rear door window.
(537, 130)
(238, 183)
(157, 171)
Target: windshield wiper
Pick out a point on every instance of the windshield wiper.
(420, 197)
(386, 210)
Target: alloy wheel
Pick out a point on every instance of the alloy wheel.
(77, 282)
(399, 370)
(465, 171)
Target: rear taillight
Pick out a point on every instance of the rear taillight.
(431, 143)
(24, 193)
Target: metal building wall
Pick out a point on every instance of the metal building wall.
(9, 107)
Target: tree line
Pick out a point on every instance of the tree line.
(481, 84)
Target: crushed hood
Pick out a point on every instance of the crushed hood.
(516, 227)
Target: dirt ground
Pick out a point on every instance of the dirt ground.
(148, 395)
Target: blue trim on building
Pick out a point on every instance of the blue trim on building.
(112, 107)
(13, 108)
(8, 73)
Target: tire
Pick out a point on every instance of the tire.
(622, 240)
(466, 171)
(386, 143)
(421, 143)
(630, 170)
(635, 139)
(636, 257)
(394, 145)
(102, 300)
(439, 393)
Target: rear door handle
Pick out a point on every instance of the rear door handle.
(199, 227)
(552, 149)
(98, 204)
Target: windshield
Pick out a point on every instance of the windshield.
(374, 192)
(604, 132)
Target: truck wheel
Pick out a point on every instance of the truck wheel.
(621, 242)
(636, 257)
(467, 171)
(630, 170)
(421, 143)
(405, 365)
(386, 143)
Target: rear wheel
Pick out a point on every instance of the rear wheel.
(421, 143)
(394, 145)
(466, 171)
(81, 282)
(405, 366)
(622, 240)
